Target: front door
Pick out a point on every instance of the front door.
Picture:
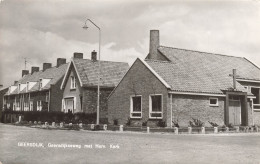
(69, 105)
(235, 112)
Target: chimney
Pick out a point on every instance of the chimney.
(78, 55)
(154, 44)
(25, 72)
(35, 69)
(94, 55)
(15, 82)
(61, 61)
(46, 66)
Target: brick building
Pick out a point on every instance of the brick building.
(38, 90)
(174, 84)
(81, 80)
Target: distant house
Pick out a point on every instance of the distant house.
(81, 80)
(38, 90)
(176, 85)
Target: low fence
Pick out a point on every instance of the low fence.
(189, 130)
(121, 128)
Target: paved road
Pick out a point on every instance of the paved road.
(115, 147)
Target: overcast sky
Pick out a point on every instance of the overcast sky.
(43, 30)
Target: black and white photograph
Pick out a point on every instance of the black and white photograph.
(129, 81)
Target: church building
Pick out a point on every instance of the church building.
(177, 85)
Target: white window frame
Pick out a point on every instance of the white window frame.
(131, 107)
(8, 105)
(73, 82)
(18, 106)
(39, 105)
(26, 107)
(215, 98)
(150, 106)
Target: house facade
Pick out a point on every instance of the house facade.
(176, 85)
(38, 90)
(81, 80)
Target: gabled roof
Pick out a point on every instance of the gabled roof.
(193, 71)
(53, 73)
(87, 72)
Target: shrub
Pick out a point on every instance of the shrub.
(54, 116)
(144, 123)
(196, 123)
(161, 123)
(175, 124)
(213, 124)
(128, 123)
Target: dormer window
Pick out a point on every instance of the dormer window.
(27, 86)
(19, 87)
(73, 82)
(40, 83)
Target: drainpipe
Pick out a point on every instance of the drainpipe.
(252, 106)
(171, 112)
(49, 101)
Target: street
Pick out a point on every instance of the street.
(24, 145)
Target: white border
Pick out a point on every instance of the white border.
(213, 104)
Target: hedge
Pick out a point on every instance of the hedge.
(44, 116)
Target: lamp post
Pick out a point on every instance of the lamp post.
(98, 87)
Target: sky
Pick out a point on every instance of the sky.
(43, 30)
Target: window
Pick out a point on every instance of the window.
(31, 105)
(26, 106)
(40, 83)
(213, 101)
(17, 106)
(73, 82)
(8, 105)
(47, 96)
(39, 105)
(155, 106)
(136, 107)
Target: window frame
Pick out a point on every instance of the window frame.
(39, 105)
(215, 98)
(73, 82)
(150, 106)
(132, 105)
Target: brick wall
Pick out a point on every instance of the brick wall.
(186, 107)
(138, 81)
(56, 95)
(257, 118)
(90, 100)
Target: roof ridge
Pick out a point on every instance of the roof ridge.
(202, 52)
(159, 61)
(251, 62)
(101, 60)
(53, 67)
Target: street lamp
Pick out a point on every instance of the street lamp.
(98, 88)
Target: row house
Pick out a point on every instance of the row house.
(38, 90)
(80, 84)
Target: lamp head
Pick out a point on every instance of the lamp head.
(85, 26)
